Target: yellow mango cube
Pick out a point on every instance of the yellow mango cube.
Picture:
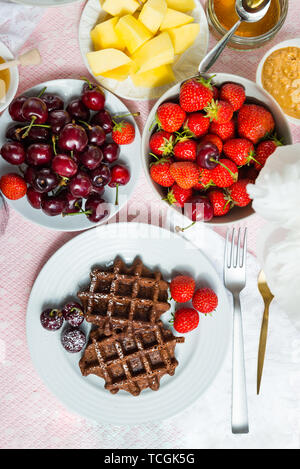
(132, 32)
(152, 14)
(120, 7)
(154, 53)
(104, 35)
(184, 36)
(181, 5)
(103, 60)
(157, 77)
(119, 73)
(174, 18)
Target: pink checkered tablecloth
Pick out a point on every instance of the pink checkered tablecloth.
(30, 415)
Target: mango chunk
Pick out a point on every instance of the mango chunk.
(154, 53)
(174, 18)
(132, 32)
(120, 7)
(107, 59)
(104, 35)
(119, 73)
(152, 14)
(181, 5)
(157, 77)
(183, 37)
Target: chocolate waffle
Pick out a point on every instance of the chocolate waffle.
(125, 296)
(131, 360)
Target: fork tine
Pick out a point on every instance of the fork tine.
(232, 248)
(226, 248)
(244, 252)
(237, 259)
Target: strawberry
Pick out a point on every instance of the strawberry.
(254, 122)
(224, 131)
(205, 300)
(264, 150)
(170, 116)
(220, 201)
(178, 196)
(185, 320)
(234, 94)
(123, 133)
(13, 186)
(205, 180)
(182, 288)
(216, 92)
(238, 193)
(185, 173)
(195, 94)
(219, 111)
(161, 143)
(160, 172)
(185, 149)
(239, 150)
(212, 138)
(197, 124)
(225, 174)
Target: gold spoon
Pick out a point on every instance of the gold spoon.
(267, 297)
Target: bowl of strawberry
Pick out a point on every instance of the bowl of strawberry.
(205, 140)
(69, 154)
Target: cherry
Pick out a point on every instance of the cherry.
(30, 174)
(80, 185)
(97, 190)
(73, 314)
(101, 175)
(38, 134)
(120, 176)
(44, 180)
(34, 198)
(58, 119)
(35, 109)
(64, 165)
(111, 152)
(96, 135)
(73, 137)
(53, 205)
(73, 340)
(51, 319)
(14, 132)
(103, 118)
(93, 97)
(91, 157)
(73, 204)
(15, 109)
(52, 101)
(39, 154)
(78, 110)
(207, 155)
(95, 208)
(199, 208)
(13, 153)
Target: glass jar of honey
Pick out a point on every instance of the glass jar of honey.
(222, 16)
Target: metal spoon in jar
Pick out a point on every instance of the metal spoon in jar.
(247, 10)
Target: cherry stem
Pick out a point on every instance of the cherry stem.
(224, 166)
(82, 212)
(53, 312)
(42, 92)
(86, 124)
(54, 144)
(29, 127)
(178, 228)
(117, 195)
(88, 82)
(134, 114)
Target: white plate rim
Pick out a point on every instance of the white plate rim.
(134, 174)
(106, 83)
(295, 42)
(184, 405)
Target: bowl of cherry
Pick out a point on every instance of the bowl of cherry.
(69, 154)
(205, 140)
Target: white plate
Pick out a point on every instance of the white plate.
(289, 43)
(130, 155)
(45, 3)
(186, 66)
(14, 77)
(200, 357)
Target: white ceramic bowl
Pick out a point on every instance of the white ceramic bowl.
(68, 89)
(186, 65)
(14, 77)
(252, 91)
(289, 43)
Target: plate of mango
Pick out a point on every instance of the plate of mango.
(138, 48)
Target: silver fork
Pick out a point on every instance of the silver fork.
(235, 281)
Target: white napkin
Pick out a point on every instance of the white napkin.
(17, 22)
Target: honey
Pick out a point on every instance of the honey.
(227, 16)
(5, 75)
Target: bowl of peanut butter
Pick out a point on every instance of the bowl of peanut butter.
(9, 79)
(279, 74)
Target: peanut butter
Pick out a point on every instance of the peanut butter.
(281, 78)
(5, 74)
